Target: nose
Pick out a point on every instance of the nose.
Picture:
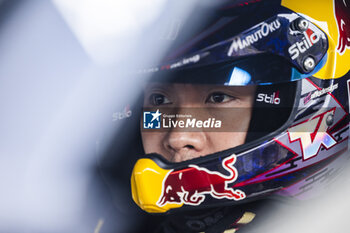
(183, 146)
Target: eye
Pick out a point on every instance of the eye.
(219, 97)
(158, 99)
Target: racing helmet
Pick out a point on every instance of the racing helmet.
(295, 54)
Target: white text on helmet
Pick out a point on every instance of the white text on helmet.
(126, 113)
(263, 31)
(310, 38)
(324, 91)
(269, 99)
(185, 61)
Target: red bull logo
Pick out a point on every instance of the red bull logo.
(342, 14)
(189, 186)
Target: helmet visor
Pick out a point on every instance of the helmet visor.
(260, 69)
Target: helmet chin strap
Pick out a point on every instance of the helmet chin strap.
(207, 220)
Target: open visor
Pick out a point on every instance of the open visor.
(223, 176)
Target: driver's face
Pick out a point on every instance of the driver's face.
(177, 146)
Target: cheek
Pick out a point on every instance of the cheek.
(236, 135)
(235, 119)
(152, 142)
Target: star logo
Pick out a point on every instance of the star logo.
(151, 120)
(156, 115)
